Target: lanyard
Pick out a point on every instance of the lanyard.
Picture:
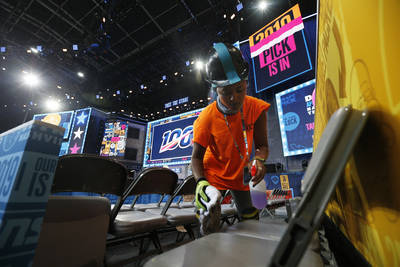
(244, 136)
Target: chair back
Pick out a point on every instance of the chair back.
(187, 187)
(155, 180)
(89, 173)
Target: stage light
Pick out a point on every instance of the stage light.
(233, 16)
(199, 64)
(176, 73)
(39, 48)
(3, 68)
(28, 51)
(80, 74)
(114, 95)
(52, 105)
(239, 7)
(141, 86)
(224, 16)
(3, 49)
(34, 50)
(59, 87)
(187, 63)
(262, 5)
(118, 92)
(75, 47)
(164, 77)
(101, 97)
(97, 96)
(31, 79)
(161, 81)
(130, 91)
(64, 50)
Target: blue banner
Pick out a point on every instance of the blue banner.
(296, 108)
(28, 159)
(273, 181)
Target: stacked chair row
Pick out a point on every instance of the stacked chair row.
(76, 229)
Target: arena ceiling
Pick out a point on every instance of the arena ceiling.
(124, 48)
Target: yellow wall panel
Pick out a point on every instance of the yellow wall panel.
(358, 58)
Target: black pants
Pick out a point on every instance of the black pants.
(243, 204)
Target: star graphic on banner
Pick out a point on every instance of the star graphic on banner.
(74, 149)
(78, 133)
(81, 118)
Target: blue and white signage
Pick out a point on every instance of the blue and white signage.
(28, 159)
(296, 108)
(169, 140)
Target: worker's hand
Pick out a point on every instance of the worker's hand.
(207, 195)
(258, 171)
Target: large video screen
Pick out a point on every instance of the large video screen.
(114, 139)
(169, 140)
(279, 50)
(62, 119)
(296, 108)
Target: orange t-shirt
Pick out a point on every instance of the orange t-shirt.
(223, 166)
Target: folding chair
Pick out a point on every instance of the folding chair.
(324, 171)
(185, 217)
(74, 228)
(142, 224)
(229, 213)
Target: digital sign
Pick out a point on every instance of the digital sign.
(296, 108)
(62, 119)
(169, 140)
(114, 139)
(279, 50)
(79, 130)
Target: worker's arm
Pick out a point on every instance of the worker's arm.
(197, 161)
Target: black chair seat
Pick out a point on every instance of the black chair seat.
(178, 216)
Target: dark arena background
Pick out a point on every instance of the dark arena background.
(98, 100)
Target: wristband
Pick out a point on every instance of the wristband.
(262, 160)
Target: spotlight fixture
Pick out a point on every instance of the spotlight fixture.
(262, 5)
(64, 50)
(80, 74)
(34, 50)
(52, 105)
(31, 79)
(199, 64)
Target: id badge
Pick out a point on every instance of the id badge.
(246, 175)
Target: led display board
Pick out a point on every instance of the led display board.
(169, 140)
(279, 50)
(114, 139)
(296, 108)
